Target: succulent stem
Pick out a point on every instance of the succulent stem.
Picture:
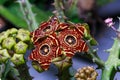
(23, 71)
(59, 10)
(26, 8)
(113, 62)
(93, 55)
(64, 74)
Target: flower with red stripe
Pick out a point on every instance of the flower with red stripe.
(47, 50)
(71, 40)
(45, 29)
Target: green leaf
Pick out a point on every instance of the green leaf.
(19, 22)
(2, 67)
(2, 1)
(15, 16)
(41, 15)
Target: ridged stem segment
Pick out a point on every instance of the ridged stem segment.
(113, 62)
(59, 12)
(29, 16)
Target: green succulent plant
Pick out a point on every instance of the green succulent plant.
(13, 45)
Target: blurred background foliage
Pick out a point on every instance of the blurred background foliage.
(10, 11)
(103, 2)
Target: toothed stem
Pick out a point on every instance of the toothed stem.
(29, 16)
(59, 10)
(113, 62)
(93, 54)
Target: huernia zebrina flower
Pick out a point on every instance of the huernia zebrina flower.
(54, 37)
(45, 29)
(71, 42)
(45, 51)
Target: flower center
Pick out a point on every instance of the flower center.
(44, 49)
(47, 29)
(70, 40)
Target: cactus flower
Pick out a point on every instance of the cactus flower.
(47, 50)
(54, 37)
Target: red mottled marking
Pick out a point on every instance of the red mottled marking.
(45, 29)
(50, 26)
(62, 26)
(84, 47)
(77, 44)
(53, 37)
(80, 28)
(45, 59)
(69, 53)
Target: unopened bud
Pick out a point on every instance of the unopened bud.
(4, 55)
(23, 35)
(86, 73)
(3, 35)
(8, 43)
(20, 47)
(12, 31)
(18, 59)
(37, 66)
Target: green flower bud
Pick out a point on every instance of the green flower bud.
(23, 35)
(37, 67)
(8, 43)
(4, 55)
(86, 73)
(3, 35)
(18, 59)
(12, 31)
(23, 30)
(20, 47)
